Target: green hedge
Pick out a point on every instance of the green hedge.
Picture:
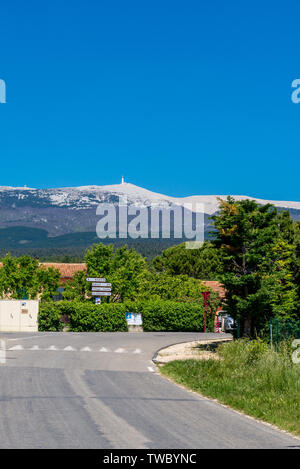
(110, 317)
(49, 317)
(171, 316)
(83, 316)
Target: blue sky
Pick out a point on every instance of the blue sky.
(182, 98)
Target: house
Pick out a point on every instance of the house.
(216, 287)
(67, 271)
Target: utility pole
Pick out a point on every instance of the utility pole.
(205, 295)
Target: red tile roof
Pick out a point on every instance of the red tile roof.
(215, 286)
(67, 271)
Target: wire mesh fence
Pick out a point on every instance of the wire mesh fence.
(281, 330)
(274, 332)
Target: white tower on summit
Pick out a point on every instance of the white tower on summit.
(122, 180)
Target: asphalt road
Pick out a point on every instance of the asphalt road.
(101, 390)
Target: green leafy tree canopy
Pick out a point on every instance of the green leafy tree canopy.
(23, 277)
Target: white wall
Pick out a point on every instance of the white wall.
(19, 315)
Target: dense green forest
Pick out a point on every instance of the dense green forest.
(148, 248)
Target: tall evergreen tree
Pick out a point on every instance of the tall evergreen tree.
(203, 263)
(257, 262)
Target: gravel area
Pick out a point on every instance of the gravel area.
(188, 350)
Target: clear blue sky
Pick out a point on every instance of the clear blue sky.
(182, 97)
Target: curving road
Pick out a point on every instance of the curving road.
(100, 390)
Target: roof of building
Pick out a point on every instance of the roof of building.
(215, 286)
(66, 270)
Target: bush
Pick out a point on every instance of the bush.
(171, 316)
(49, 317)
(109, 317)
(157, 315)
(83, 316)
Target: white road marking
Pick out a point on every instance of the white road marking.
(16, 347)
(25, 338)
(69, 348)
(151, 369)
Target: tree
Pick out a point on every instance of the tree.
(77, 288)
(204, 263)
(177, 288)
(257, 262)
(124, 268)
(131, 279)
(23, 277)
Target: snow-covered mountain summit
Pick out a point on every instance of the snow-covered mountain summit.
(87, 197)
(210, 202)
(138, 194)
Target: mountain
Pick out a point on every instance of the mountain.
(68, 215)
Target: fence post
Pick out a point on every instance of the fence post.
(271, 334)
(277, 335)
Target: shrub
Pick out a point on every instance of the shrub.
(109, 317)
(83, 316)
(171, 316)
(157, 315)
(49, 317)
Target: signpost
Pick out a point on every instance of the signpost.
(205, 295)
(134, 319)
(134, 322)
(102, 284)
(97, 284)
(101, 293)
(99, 288)
(89, 279)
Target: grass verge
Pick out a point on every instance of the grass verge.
(249, 378)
